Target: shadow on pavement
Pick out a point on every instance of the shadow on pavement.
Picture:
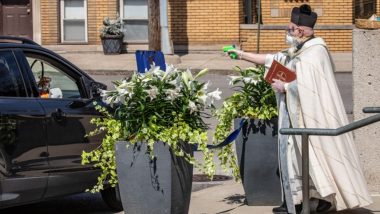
(234, 199)
(356, 211)
(75, 204)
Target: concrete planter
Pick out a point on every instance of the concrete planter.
(160, 186)
(112, 44)
(256, 149)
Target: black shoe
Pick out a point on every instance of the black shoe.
(284, 210)
(281, 209)
(323, 206)
(299, 208)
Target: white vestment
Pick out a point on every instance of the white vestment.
(313, 101)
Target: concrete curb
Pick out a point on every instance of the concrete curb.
(130, 72)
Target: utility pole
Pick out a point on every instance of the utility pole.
(258, 25)
(154, 29)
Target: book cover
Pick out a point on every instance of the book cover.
(280, 72)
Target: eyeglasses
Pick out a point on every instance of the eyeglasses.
(291, 29)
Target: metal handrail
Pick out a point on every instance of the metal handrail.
(324, 132)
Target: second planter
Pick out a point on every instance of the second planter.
(258, 161)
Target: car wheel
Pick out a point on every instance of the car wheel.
(111, 197)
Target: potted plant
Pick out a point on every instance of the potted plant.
(151, 124)
(252, 108)
(111, 34)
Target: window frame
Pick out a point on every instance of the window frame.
(121, 7)
(58, 64)
(62, 19)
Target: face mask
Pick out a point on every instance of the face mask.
(291, 40)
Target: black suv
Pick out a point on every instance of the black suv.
(45, 112)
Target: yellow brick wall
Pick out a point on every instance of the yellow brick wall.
(96, 11)
(204, 21)
(215, 22)
(274, 40)
(333, 12)
(49, 22)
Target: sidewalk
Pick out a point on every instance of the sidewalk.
(96, 62)
(228, 198)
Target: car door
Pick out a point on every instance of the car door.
(69, 111)
(23, 147)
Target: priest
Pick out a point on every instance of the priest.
(313, 101)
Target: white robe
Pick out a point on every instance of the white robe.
(313, 101)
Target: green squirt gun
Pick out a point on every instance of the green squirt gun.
(233, 55)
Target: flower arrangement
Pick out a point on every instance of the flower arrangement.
(111, 27)
(253, 100)
(167, 106)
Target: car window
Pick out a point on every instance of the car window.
(11, 80)
(51, 81)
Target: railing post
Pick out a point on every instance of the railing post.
(305, 174)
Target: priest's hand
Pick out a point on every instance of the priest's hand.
(239, 53)
(278, 86)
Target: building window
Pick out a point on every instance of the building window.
(249, 11)
(135, 19)
(73, 21)
(365, 8)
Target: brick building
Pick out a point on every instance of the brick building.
(193, 24)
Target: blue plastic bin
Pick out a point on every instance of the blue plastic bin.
(145, 59)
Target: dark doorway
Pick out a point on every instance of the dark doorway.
(16, 18)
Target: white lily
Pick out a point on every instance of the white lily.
(201, 73)
(104, 93)
(205, 86)
(189, 74)
(122, 99)
(234, 78)
(215, 95)
(109, 100)
(170, 69)
(192, 107)
(185, 78)
(147, 78)
(152, 92)
(157, 71)
(249, 80)
(121, 90)
(203, 98)
(172, 94)
(122, 84)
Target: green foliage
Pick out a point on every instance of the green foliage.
(111, 27)
(104, 156)
(151, 107)
(253, 99)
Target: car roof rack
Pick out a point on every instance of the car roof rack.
(11, 39)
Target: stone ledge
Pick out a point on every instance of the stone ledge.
(283, 27)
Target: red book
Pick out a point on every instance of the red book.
(280, 72)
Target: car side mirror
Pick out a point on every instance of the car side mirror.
(96, 88)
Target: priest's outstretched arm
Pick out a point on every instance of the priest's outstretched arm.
(251, 57)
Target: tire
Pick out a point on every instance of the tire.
(111, 199)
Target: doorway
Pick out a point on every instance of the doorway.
(16, 18)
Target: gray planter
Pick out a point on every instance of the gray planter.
(160, 186)
(256, 148)
(112, 44)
